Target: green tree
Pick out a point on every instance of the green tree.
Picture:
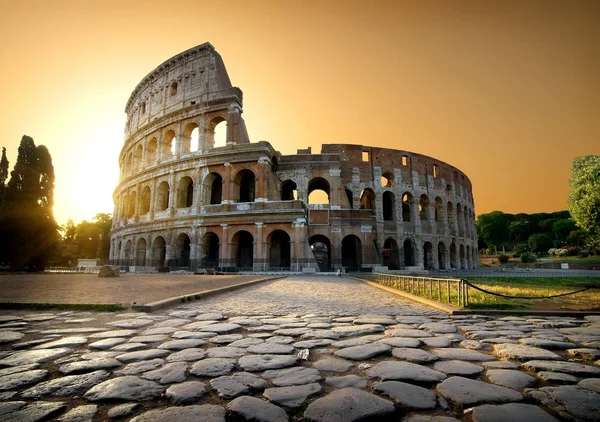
(562, 228)
(584, 196)
(3, 173)
(519, 229)
(540, 242)
(104, 224)
(493, 228)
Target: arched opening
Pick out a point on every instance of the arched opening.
(182, 251)
(212, 189)
(387, 179)
(463, 261)
(289, 191)
(409, 253)
(130, 163)
(367, 200)
(168, 145)
(442, 256)
(185, 192)
(140, 252)
(217, 133)
(191, 136)
(389, 206)
(460, 221)
(437, 216)
(246, 181)
(128, 252)
(132, 204)
(448, 190)
(450, 214)
(209, 249)
(279, 250)
(318, 191)
(137, 158)
(321, 250)
(243, 243)
(349, 196)
(453, 259)
(125, 207)
(407, 199)
(151, 151)
(352, 253)
(424, 208)
(390, 254)
(162, 196)
(428, 256)
(468, 257)
(145, 200)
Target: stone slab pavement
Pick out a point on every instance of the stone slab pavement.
(128, 289)
(302, 348)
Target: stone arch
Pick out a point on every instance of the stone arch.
(242, 243)
(138, 156)
(168, 145)
(181, 250)
(428, 256)
(367, 200)
(245, 183)
(349, 196)
(352, 252)
(128, 252)
(460, 220)
(424, 207)
(409, 253)
(185, 192)
(145, 200)
(463, 258)
(124, 205)
(130, 162)
(210, 131)
(438, 209)
(468, 248)
(209, 250)
(212, 189)
(140, 252)
(151, 151)
(390, 254)
(442, 256)
(279, 242)
(448, 190)
(318, 184)
(189, 142)
(387, 179)
(162, 196)
(407, 200)
(320, 247)
(288, 188)
(450, 214)
(453, 256)
(389, 205)
(132, 204)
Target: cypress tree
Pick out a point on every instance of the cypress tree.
(3, 173)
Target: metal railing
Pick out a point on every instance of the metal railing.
(444, 290)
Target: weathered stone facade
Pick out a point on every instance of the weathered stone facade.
(182, 202)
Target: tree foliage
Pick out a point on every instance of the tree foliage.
(28, 232)
(562, 228)
(86, 239)
(584, 196)
(540, 242)
(3, 173)
(493, 228)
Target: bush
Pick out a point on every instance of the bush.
(552, 251)
(503, 259)
(562, 252)
(527, 258)
(520, 248)
(572, 251)
(584, 254)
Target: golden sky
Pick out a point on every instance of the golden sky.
(507, 91)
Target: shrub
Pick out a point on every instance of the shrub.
(552, 251)
(562, 252)
(520, 248)
(527, 258)
(572, 251)
(503, 259)
(539, 242)
(584, 254)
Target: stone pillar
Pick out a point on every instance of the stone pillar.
(172, 190)
(336, 248)
(259, 249)
(227, 190)
(263, 162)
(419, 250)
(225, 252)
(298, 241)
(335, 187)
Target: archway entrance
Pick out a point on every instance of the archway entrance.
(352, 253)
(182, 257)
(442, 256)
(243, 242)
(279, 250)
(428, 256)
(409, 253)
(390, 254)
(159, 251)
(321, 250)
(209, 248)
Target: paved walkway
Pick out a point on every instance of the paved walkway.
(324, 349)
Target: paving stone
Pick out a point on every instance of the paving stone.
(468, 392)
(167, 374)
(192, 334)
(457, 367)
(366, 351)
(436, 341)
(581, 404)
(565, 367)
(263, 328)
(583, 353)
(14, 369)
(407, 332)
(400, 342)
(501, 364)
(292, 396)
(395, 370)
(348, 405)
(245, 342)
(8, 336)
(407, 395)
(172, 322)
(148, 339)
(357, 341)
(358, 330)
(69, 385)
(204, 413)
(188, 355)
(292, 331)
(128, 387)
(225, 352)
(220, 328)
(78, 330)
(113, 333)
(413, 355)
(139, 367)
(255, 363)
(142, 355)
(590, 384)
(181, 344)
(557, 377)
(130, 347)
(240, 383)
(471, 344)
(20, 379)
(225, 338)
(347, 381)
(514, 412)
(38, 411)
(428, 418)
(333, 364)
(280, 339)
(319, 325)
(213, 367)
(28, 344)
(33, 356)
(546, 344)
(89, 365)
(254, 409)
(439, 328)
(84, 413)
(271, 349)
(216, 316)
(280, 321)
(292, 376)
(69, 342)
(122, 410)
(186, 392)
(311, 344)
(131, 323)
(107, 343)
(375, 319)
(510, 378)
(462, 354)
(246, 322)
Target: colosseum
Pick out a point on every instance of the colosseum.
(184, 201)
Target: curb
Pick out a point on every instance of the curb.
(177, 300)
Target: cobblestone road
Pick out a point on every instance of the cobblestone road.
(317, 349)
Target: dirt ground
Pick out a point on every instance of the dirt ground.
(126, 290)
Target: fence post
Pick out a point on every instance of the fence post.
(439, 291)
(466, 294)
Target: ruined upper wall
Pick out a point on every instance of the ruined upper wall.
(194, 77)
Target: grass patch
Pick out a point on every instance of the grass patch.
(92, 307)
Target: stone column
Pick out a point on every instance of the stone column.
(336, 187)
(225, 252)
(227, 190)
(259, 249)
(172, 190)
